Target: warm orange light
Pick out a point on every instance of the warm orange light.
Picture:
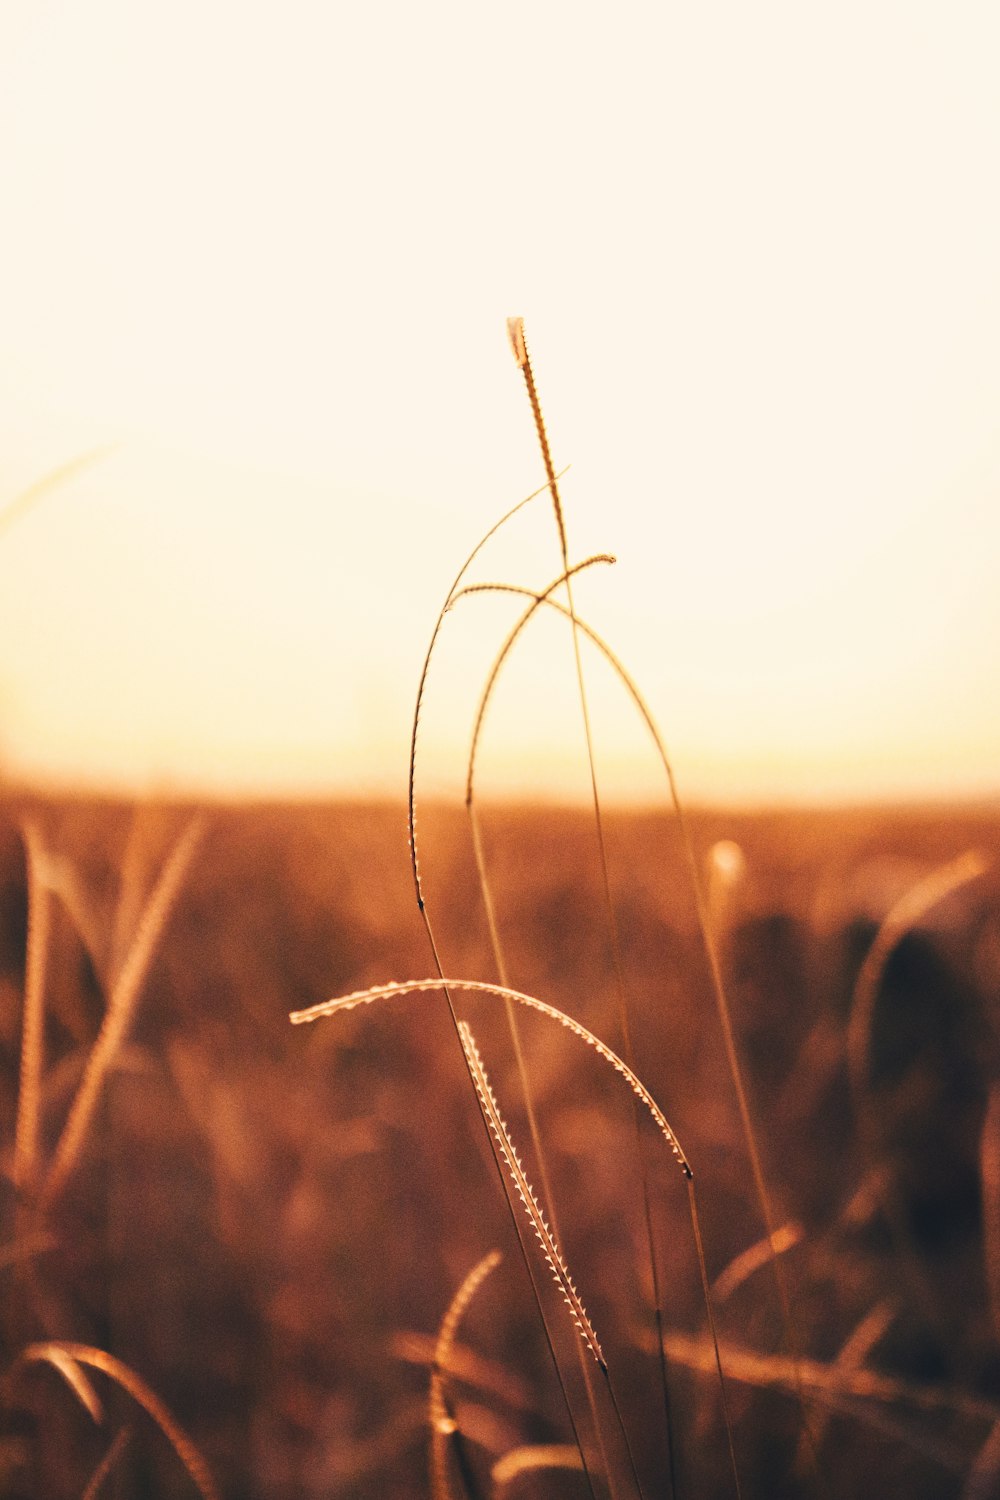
(272, 258)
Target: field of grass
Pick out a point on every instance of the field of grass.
(267, 1223)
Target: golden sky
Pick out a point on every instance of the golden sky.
(267, 251)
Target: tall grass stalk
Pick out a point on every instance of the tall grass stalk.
(515, 329)
(441, 1416)
(121, 1007)
(550, 1249)
(527, 1093)
(703, 915)
(499, 958)
(512, 1162)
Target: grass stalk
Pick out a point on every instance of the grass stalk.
(705, 927)
(515, 328)
(121, 1007)
(550, 1250)
(61, 1354)
(481, 987)
(440, 1415)
(903, 915)
(116, 1448)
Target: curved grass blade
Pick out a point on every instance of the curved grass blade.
(744, 1265)
(704, 925)
(480, 987)
(442, 1420)
(121, 1006)
(118, 1445)
(66, 1364)
(906, 913)
(512, 1162)
(910, 909)
(58, 1352)
(532, 1459)
(411, 791)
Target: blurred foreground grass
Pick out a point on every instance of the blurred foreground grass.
(269, 1222)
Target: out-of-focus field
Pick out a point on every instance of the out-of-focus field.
(268, 1222)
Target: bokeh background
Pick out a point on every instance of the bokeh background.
(256, 406)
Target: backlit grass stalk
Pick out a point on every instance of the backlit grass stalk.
(481, 987)
(515, 330)
(422, 906)
(512, 1163)
(701, 909)
(903, 915)
(531, 1459)
(121, 1007)
(57, 1353)
(491, 1116)
(117, 1447)
(864, 1395)
(550, 1249)
(441, 1417)
(541, 1155)
(421, 686)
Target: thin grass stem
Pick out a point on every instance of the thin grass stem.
(58, 1352)
(441, 1418)
(117, 1447)
(411, 785)
(705, 931)
(121, 1007)
(480, 987)
(706, 1291)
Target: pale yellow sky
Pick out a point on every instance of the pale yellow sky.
(268, 251)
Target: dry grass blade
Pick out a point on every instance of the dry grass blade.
(29, 1095)
(856, 1350)
(705, 924)
(466, 1365)
(530, 1460)
(749, 1261)
(411, 794)
(910, 909)
(829, 1383)
(118, 1445)
(136, 1387)
(906, 913)
(551, 1251)
(65, 883)
(478, 987)
(121, 1006)
(68, 1366)
(442, 1423)
(540, 598)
